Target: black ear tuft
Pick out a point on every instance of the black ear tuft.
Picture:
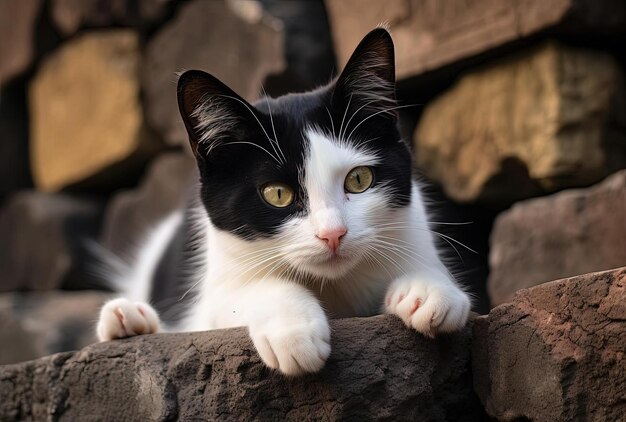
(210, 110)
(369, 78)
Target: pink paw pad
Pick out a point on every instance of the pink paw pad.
(416, 305)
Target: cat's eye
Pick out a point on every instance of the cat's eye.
(277, 194)
(359, 179)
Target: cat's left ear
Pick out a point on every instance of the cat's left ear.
(368, 80)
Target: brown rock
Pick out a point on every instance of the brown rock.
(131, 213)
(239, 45)
(33, 325)
(42, 238)
(378, 370)
(17, 30)
(548, 118)
(568, 233)
(71, 15)
(556, 352)
(431, 34)
(86, 111)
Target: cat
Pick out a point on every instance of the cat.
(307, 210)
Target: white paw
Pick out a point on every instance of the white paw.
(429, 307)
(291, 346)
(121, 318)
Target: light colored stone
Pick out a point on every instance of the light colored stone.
(86, 114)
(572, 232)
(237, 45)
(17, 30)
(431, 34)
(541, 120)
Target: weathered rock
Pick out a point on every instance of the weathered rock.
(568, 233)
(130, 214)
(431, 34)
(548, 118)
(42, 238)
(240, 46)
(86, 111)
(70, 15)
(37, 324)
(378, 369)
(17, 30)
(556, 353)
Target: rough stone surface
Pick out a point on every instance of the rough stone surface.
(86, 110)
(556, 352)
(518, 127)
(130, 214)
(17, 29)
(378, 370)
(568, 233)
(70, 15)
(240, 46)
(431, 34)
(42, 237)
(37, 324)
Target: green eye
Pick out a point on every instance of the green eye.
(277, 194)
(359, 179)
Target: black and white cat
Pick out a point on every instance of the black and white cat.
(307, 210)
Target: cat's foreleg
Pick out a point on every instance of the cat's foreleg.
(429, 302)
(287, 325)
(120, 318)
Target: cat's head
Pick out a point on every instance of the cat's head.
(311, 176)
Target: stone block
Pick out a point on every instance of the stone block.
(572, 232)
(42, 238)
(132, 213)
(86, 113)
(17, 36)
(37, 324)
(556, 352)
(232, 40)
(433, 34)
(378, 369)
(544, 119)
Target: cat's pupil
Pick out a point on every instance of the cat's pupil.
(358, 179)
(280, 193)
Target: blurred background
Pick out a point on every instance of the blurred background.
(518, 129)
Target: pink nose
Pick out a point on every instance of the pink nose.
(332, 237)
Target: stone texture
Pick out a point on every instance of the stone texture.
(239, 45)
(17, 30)
(562, 235)
(378, 370)
(556, 352)
(42, 238)
(545, 119)
(71, 15)
(86, 111)
(131, 213)
(432, 34)
(36, 324)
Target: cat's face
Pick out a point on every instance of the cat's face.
(307, 178)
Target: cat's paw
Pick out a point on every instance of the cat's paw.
(121, 318)
(291, 346)
(430, 307)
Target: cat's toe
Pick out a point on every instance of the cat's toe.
(120, 318)
(429, 308)
(295, 350)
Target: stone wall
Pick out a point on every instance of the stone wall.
(518, 129)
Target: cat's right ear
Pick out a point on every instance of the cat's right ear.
(210, 110)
